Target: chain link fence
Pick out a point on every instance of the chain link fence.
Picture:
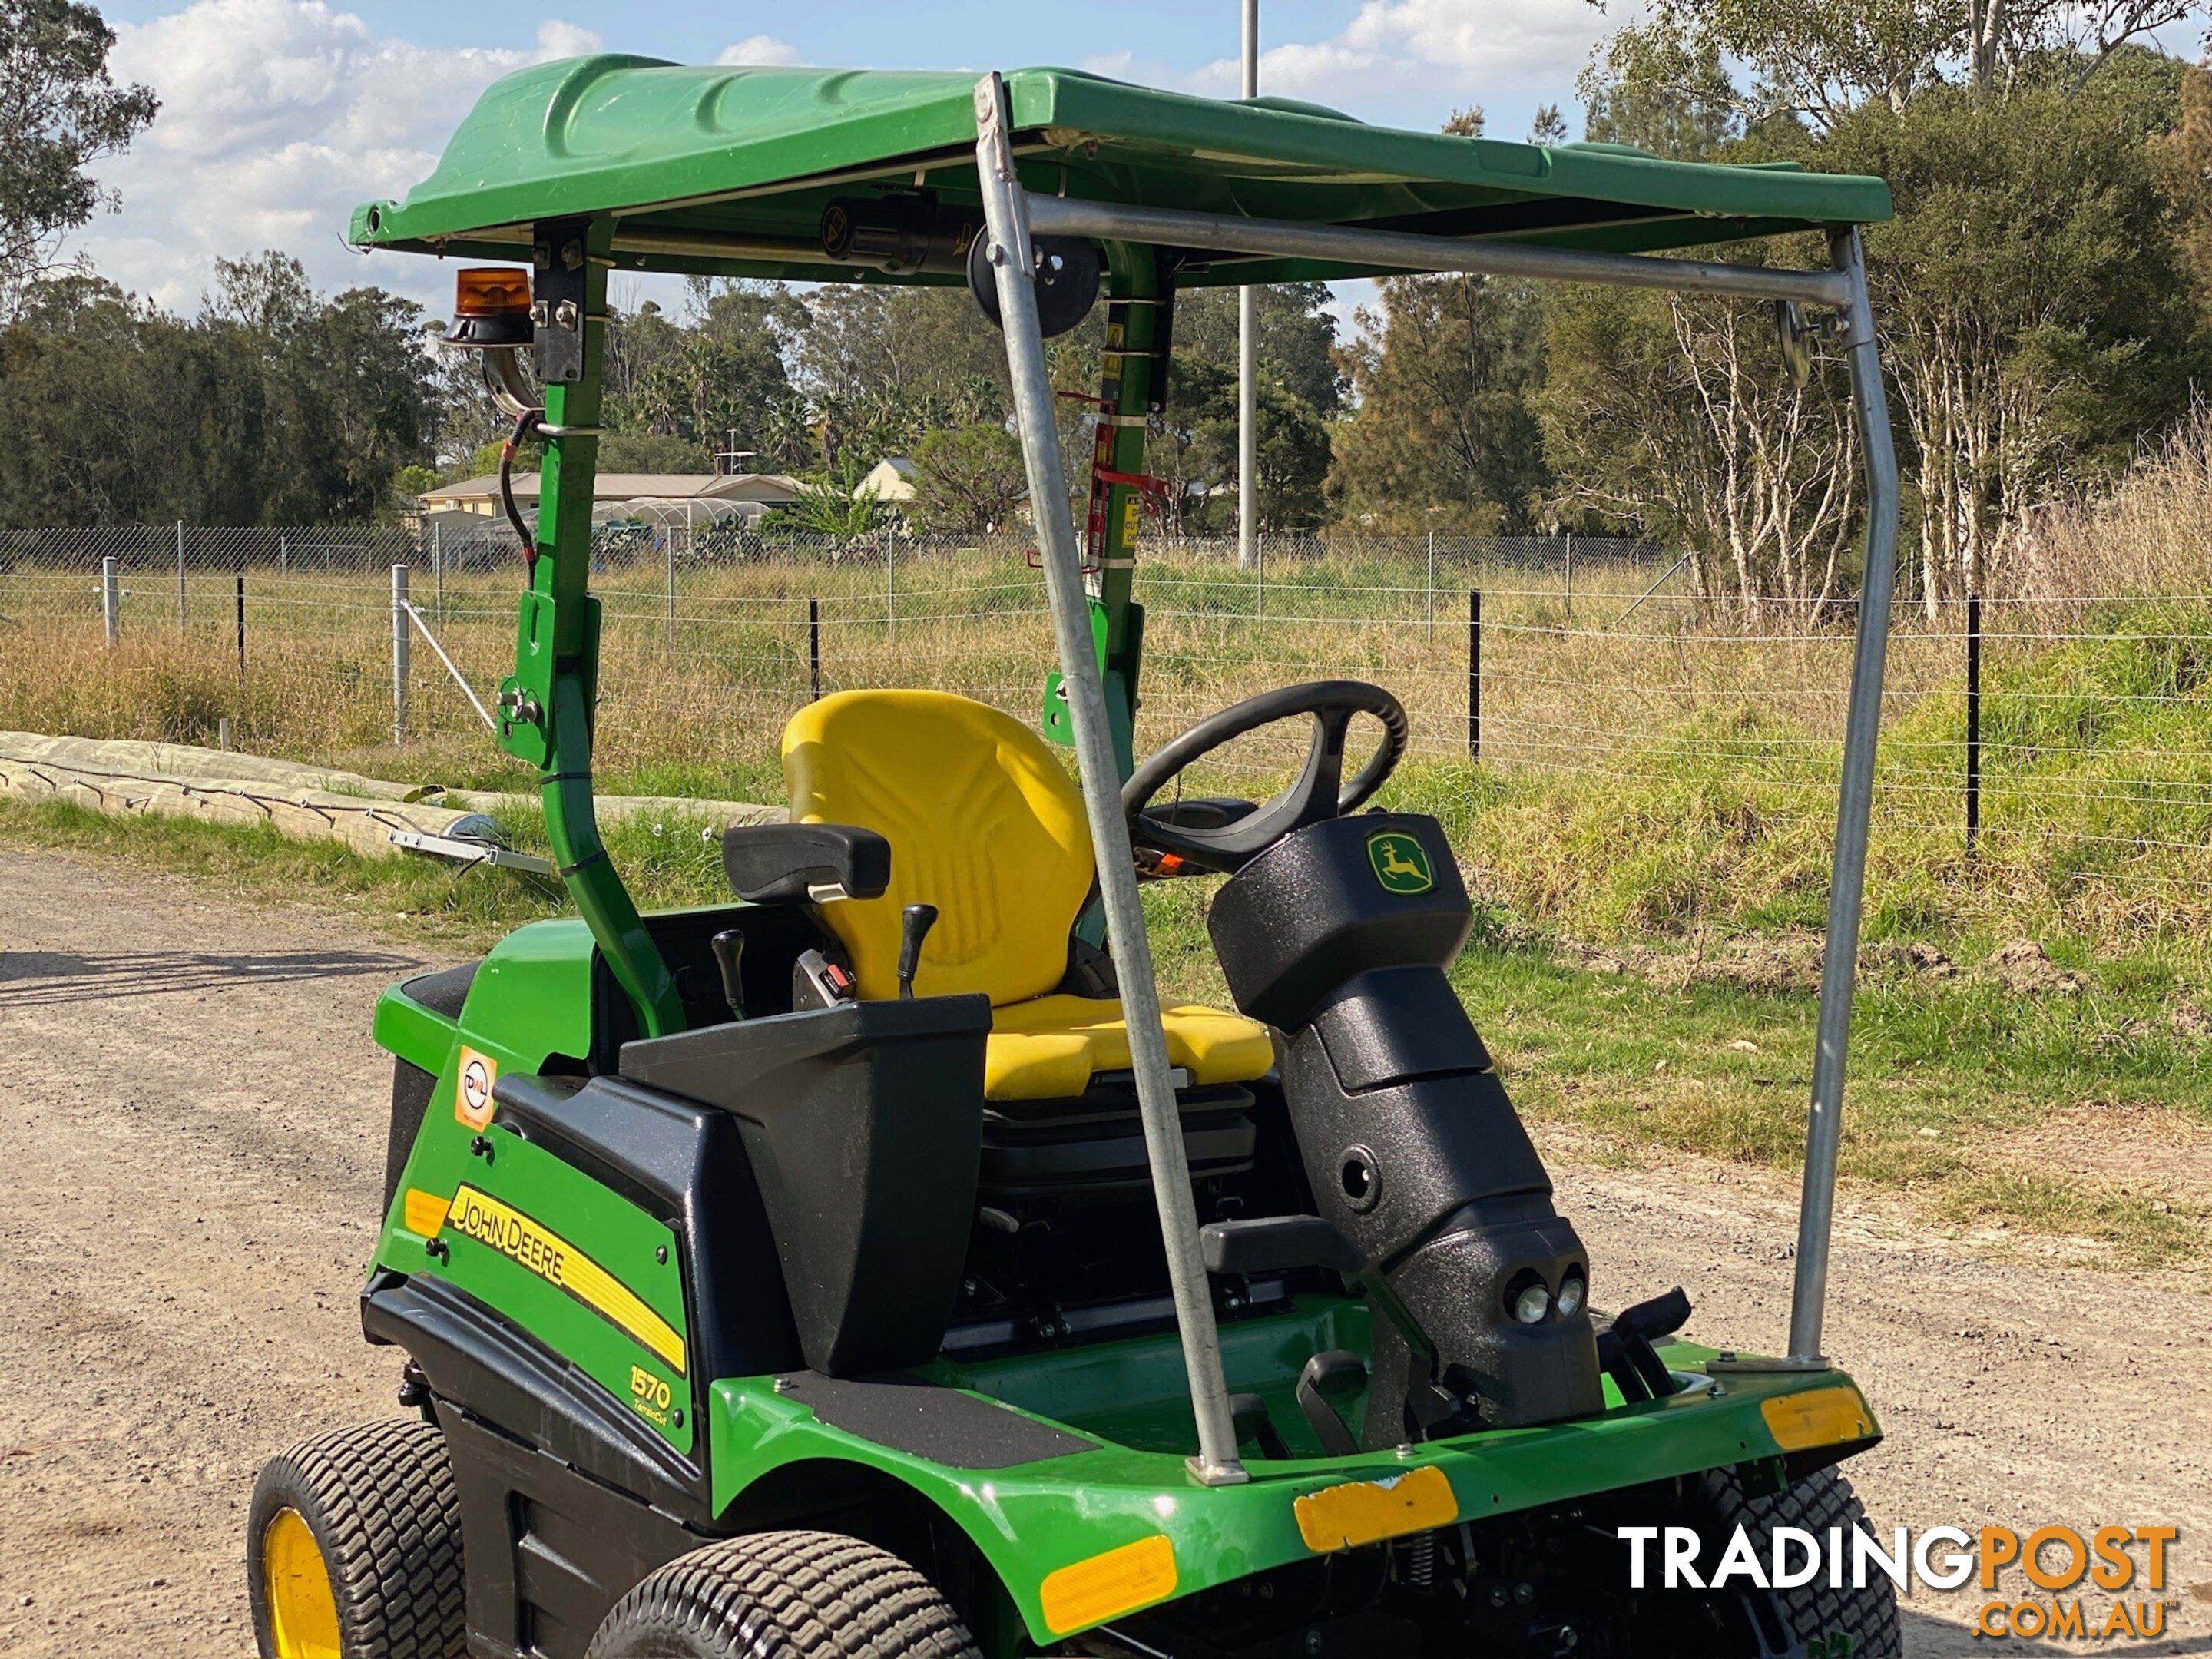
(2077, 746)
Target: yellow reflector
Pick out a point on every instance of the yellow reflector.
(1120, 1581)
(1821, 1416)
(425, 1212)
(490, 291)
(303, 1614)
(1361, 1511)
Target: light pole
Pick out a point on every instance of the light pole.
(1248, 352)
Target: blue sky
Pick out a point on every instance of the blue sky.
(279, 115)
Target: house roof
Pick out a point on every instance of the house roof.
(725, 170)
(629, 486)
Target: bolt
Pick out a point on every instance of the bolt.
(1313, 1641)
(437, 1249)
(481, 1147)
(1499, 1598)
(1524, 1594)
(677, 1417)
(660, 1255)
(1567, 1638)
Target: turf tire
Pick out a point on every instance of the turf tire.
(784, 1595)
(380, 1502)
(1820, 1501)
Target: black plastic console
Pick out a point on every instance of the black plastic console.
(1412, 1148)
(864, 1125)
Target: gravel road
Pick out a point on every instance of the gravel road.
(193, 1147)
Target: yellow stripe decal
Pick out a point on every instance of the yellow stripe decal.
(1363, 1511)
(1089, 1592)
(553, 1259)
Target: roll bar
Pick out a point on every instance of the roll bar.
(1011, 214)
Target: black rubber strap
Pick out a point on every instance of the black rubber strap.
(584, 863)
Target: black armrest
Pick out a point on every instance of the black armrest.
(789, 863)
(1276, 1243)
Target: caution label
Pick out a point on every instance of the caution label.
(472, 1102)
(537, 1249)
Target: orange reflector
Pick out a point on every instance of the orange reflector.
(1088, 1593)
(1820, 1417)
(425, 1213)
(491, 291)
(1362, 1511)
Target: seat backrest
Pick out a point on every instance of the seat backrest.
(984, 823)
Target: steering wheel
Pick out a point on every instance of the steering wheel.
(1226, 835)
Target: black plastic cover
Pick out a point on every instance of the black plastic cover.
(1276, 1243)
(780, 863)
(1311, 913)
(1393, 1024)
(864, 1123)
(686, 1165)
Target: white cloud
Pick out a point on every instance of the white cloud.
(761, 50)
(1462, 50)
(278, 118)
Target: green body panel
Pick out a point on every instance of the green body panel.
(531, 999)
(754, 154)
(1031, 1519)
(632, 1248)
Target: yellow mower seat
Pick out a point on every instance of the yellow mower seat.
(985, 823)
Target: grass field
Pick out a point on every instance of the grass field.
(1647, 831)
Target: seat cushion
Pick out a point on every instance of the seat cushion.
(1047, 1047)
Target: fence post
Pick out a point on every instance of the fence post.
(1433, 583)
(180, 575)
(1570, 571)
(283, 555)
(438, 570)
(1973, 722)
(400, 642)
(110, 600)
(814, 650)
(891, 584)
(671, 586)
(1475, 673)
(1259, 576)
(242, 636)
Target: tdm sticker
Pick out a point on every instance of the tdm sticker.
(472, 1102)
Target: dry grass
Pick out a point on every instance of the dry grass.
(1666, 771)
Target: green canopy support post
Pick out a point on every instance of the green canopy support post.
(549, 707)
(1131, 390)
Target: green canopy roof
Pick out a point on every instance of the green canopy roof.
(727, 170)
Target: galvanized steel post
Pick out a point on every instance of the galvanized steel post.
(401, 641)
(1854, 808)
(110, 600)
(180, 575)
(1006, 214)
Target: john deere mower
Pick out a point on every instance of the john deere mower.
(871, 1265)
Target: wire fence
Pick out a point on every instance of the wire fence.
(2075, 749)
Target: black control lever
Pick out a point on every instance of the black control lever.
(1337, 1366)
(1249, 1413)
(729, 948)
(914, 923)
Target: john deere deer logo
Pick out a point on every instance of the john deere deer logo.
(1401, 864)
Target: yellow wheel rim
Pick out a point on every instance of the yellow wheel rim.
(303, 1613)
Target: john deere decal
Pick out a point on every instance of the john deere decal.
(1400, 863)
(539, 1251)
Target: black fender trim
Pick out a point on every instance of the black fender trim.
(480, 1362)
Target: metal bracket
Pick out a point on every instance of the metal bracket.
(557, 310)
(471, 851)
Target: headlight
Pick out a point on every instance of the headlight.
(1531, 1302)
(1571, 1292)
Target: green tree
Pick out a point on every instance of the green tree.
(60, 112)
(967, 479)
(1444, 435)
(2038, 312)
(1297, 337)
